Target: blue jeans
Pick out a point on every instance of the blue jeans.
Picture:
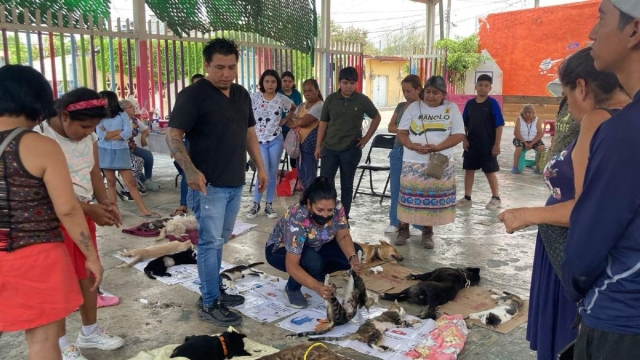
(147, 156)
(271, 153)
(395, 163)
(307, 169)
(329, 258)
(184, 188)
(216, 214)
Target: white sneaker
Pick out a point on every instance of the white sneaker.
(463, 202)
(71, 352)
(390, 229)
(494, 204)
(100, 339)
(268, 209)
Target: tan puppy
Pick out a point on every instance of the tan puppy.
(155, 251)
(382, 251)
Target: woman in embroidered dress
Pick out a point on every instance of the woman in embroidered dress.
(78, 112)
(305, 121)
(312, 240)
(268, 106)
(36, 293)
(589, 92)
(114, 154)
(430, 126)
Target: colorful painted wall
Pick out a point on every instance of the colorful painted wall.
(529, 45)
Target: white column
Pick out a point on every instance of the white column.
(325, 45)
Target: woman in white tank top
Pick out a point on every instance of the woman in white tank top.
(527, 135)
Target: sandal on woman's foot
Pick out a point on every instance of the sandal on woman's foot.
(180, 211)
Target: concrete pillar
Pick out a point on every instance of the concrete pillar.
(142, 56)
(430, 23)
(325, 45)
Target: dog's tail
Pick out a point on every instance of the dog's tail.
(255, 264)
(149, 274)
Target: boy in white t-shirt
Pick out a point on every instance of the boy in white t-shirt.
(73, 128)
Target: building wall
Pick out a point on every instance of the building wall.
(489, 67)
(395, 71)
(529, 45)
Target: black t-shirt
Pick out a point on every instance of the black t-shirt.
(481, 121)
(216, 127)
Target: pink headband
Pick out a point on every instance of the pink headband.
(87, 104)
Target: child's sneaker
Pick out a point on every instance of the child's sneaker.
(464, 202)
(100, 339)
(494, 204)
(268, 209)
(515, 171)
(253, 211)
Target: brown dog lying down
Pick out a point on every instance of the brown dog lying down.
(155, 251)
(317, 351)
(382, 251)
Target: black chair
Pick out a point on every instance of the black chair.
(118, 183)
(285, 162)
(177, 177)
(252, 166)
(381, 141)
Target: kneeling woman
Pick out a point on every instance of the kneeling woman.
(312, 240)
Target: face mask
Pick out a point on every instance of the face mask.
(321, 220)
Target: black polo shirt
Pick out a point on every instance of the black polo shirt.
(216, 127)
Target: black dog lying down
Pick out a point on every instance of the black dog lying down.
(205, 347)
(436, 288)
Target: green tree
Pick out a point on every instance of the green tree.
(403, 42)
(462, 55)
(350, 34)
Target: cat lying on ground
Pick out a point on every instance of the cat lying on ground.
(159, 266)
(372, 331)
(178, 226)
(155, 251)
(508, 306)
(436, 288)
(229, 276)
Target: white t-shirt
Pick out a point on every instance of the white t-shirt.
(268, 115)
(315, 111)
(80, 160)
(438, 122)
(141, 127)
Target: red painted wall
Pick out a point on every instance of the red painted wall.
(529, 45)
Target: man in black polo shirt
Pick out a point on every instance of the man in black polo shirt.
(216, 116)
(340, 140)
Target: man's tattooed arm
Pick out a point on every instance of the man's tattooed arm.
(178, 150)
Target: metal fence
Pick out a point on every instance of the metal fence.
(428, 63)
(102, 56)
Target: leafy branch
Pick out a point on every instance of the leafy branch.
(462, 55)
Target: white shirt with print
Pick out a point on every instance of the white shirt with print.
(268, 114)
(438, 123)
(80, 160)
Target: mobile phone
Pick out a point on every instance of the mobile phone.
(567, 352)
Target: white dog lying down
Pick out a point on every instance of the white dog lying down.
(155, 251)
(178, 226)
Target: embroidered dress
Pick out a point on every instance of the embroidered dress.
(424, 200)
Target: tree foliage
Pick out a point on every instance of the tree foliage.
(462, 55)
(403, 42)
(350, 34)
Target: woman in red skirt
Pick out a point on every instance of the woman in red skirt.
(36, 293)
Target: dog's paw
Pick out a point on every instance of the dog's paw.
(412, 277)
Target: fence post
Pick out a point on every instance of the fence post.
(142, 57)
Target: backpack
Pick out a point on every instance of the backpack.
(292, 144)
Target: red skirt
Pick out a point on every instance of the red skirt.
(78, 260)
(38, 286)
